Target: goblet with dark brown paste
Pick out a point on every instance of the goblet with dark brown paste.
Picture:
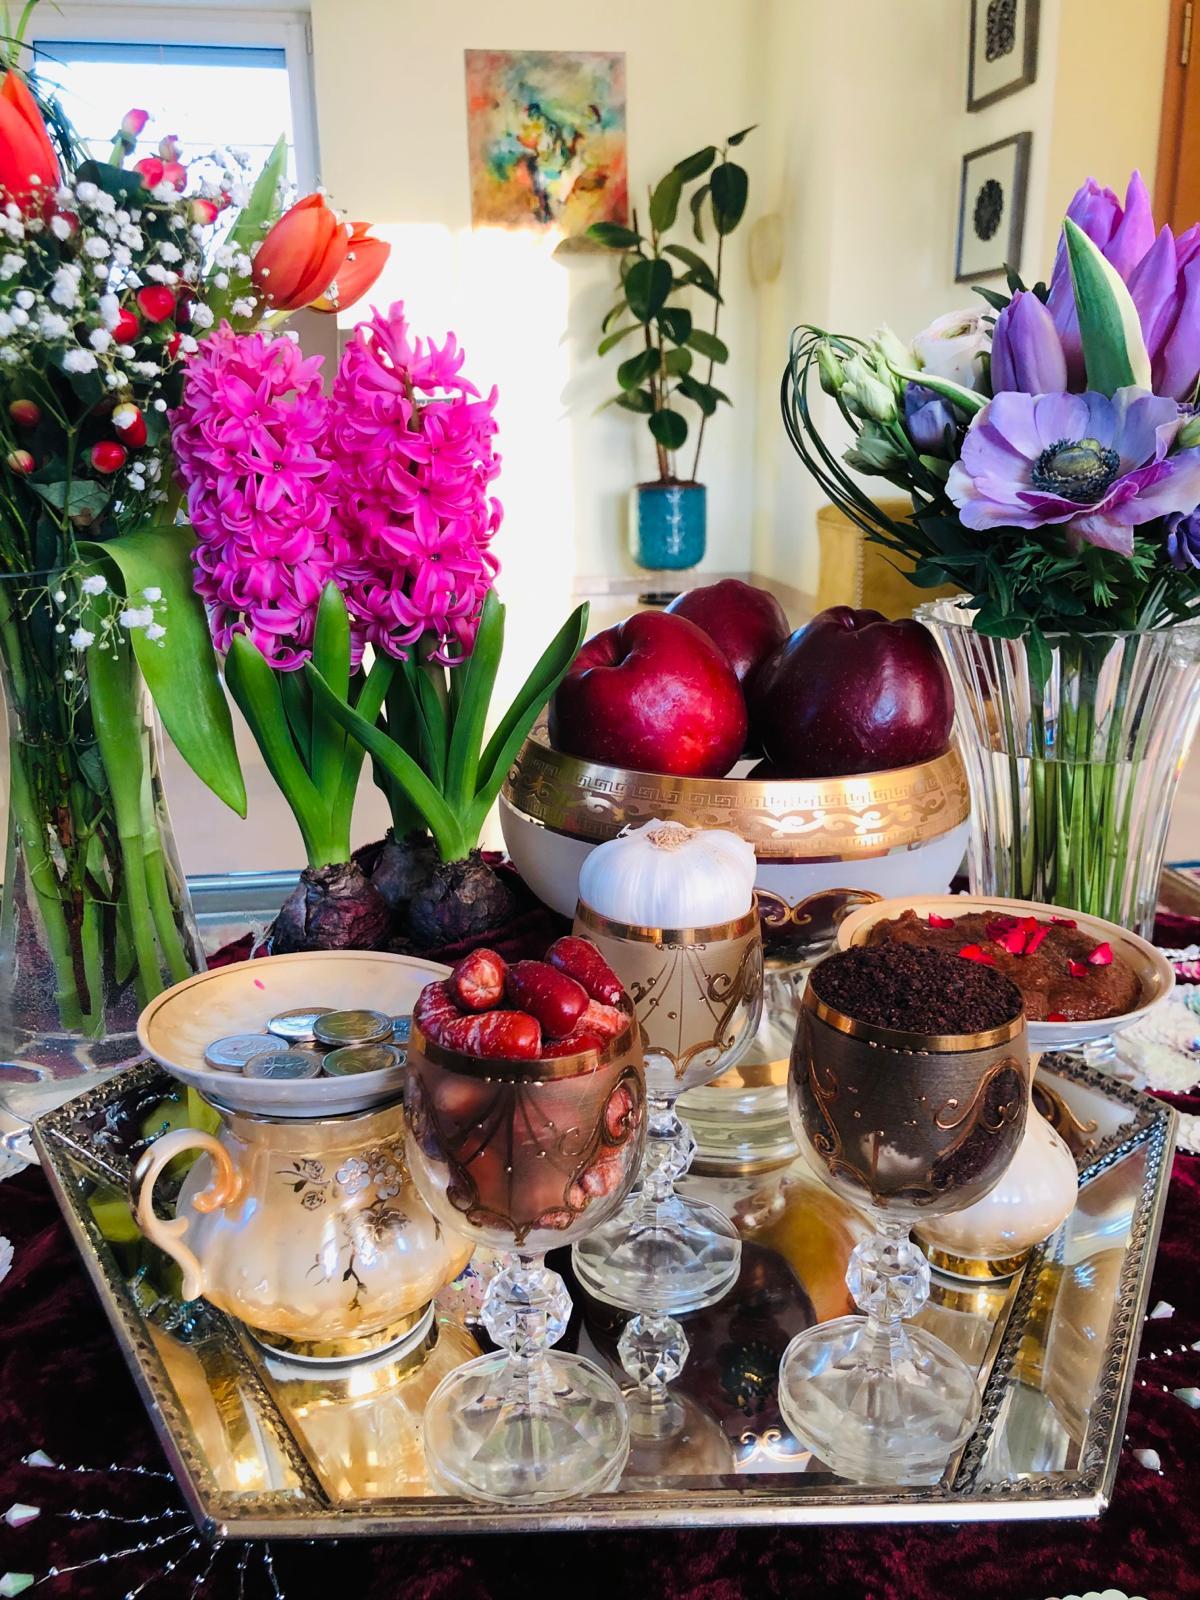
(908, 1092)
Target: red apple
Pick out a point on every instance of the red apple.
(746, 624)
(653, 693)
(852, 692)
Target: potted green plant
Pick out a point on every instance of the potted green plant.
(657, 279)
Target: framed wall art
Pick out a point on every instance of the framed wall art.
(991, 208)
(1003, 50)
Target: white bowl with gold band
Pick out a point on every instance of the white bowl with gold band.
(824, 846)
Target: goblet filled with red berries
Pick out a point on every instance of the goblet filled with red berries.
(525, 1107)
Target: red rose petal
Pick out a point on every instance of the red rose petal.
(1000, 924)
(1056, 1016)
(1077, 969)
(1011, 939)
(1036, 938)
(1065, 922)
(1101, 956)
(939, 922)
(975, 952)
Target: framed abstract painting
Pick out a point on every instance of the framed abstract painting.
(546, 138)
(1003, 51)
(991, 208)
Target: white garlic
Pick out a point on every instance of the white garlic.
(665, 875)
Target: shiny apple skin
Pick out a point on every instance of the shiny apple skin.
(653, 693)
(852, 692)
(745, 623)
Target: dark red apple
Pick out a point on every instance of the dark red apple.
(852, 692)
(745, 623)
(653, 693)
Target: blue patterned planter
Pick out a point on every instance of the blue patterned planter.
(667, 524)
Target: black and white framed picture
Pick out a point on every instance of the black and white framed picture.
(1003, 54)
(991, 208)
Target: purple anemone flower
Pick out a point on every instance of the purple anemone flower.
(1097, 466)
(1183, 540)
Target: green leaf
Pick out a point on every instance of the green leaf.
(368, 705)
(676, 323)
(669, 428)
(664, 202)
(994, 298)
(524, 711)
(968, 400)
(1040, 658)
(736, 138)
(678, 362)
(613, 235)
(466, 739)
(696, 202)
(647, 285)
(181, 669)
(637, 369)
(611, 316)
(636, 400)
(703, 394)
(730, 186)
(606, 345)
(331, 657)
(692, 166)
(431, 720)
(1114, 351)
(709, 345)
(252, 223)
(80, 495)
(253, 685)
(700, 271)
(425, 796)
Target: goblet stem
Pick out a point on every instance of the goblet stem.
(888, 1277)
(653, 1349)
(669, 1151)
(526, 1310)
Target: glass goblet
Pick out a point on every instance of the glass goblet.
(910, 1126)
(525, 1156)
(698, 997)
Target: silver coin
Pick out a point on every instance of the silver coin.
(231, 1053)
(401, 1029)
(284, 1064)
(352, 1027)
(356, 1058)
(297, 1025)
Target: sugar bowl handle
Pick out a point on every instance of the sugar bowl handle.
(222, 1191)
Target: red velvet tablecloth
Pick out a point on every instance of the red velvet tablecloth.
(64, 1389)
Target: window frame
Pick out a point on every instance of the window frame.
(285, 28)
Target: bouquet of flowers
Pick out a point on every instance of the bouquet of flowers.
(112, 276)
(343, 548)
(1050, 446)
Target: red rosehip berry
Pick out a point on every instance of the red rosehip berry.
(156, 302)
(127, 327)
(131, 423)
(151, 169)
(25, 413)
(108, 456)
(20, 462)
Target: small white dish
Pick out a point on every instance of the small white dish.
(1155, 972)
(177, 1026)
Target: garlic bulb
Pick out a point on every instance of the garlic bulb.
(664, 875)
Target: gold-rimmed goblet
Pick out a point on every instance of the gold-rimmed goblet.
(697, 993)
(908, 1126)
(525, 1156)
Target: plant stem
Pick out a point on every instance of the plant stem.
(711, 363)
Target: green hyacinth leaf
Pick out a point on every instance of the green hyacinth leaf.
(1114, 351)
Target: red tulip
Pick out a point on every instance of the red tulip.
(127, 327)
(28, 164)
(365, 260)
(169, 148)
(108, 456)
(25, 413)
(156, 302)
(151, 169)
(301, 255)
(133, 122)
(131, 423)
(19, 461)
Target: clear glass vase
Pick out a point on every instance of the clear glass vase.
(95, 917)
(1072, 784)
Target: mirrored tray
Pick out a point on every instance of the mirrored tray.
(266, 1450)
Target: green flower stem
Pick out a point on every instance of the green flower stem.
(43, 880)
(158, 887)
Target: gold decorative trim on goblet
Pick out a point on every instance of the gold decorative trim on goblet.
(897, 1039)
(786, 820)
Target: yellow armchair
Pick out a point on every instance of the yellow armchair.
(856, 573)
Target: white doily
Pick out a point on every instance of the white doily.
(6, 1257)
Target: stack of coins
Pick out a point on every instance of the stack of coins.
(313, 1042)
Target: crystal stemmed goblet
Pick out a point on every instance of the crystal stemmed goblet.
(525, 1156)
(698, 997)
(910, 1126)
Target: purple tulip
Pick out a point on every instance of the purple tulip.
(929, 421)
(1097, 466)
(1183, 539)
(1163, 275)
(1027, 353)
